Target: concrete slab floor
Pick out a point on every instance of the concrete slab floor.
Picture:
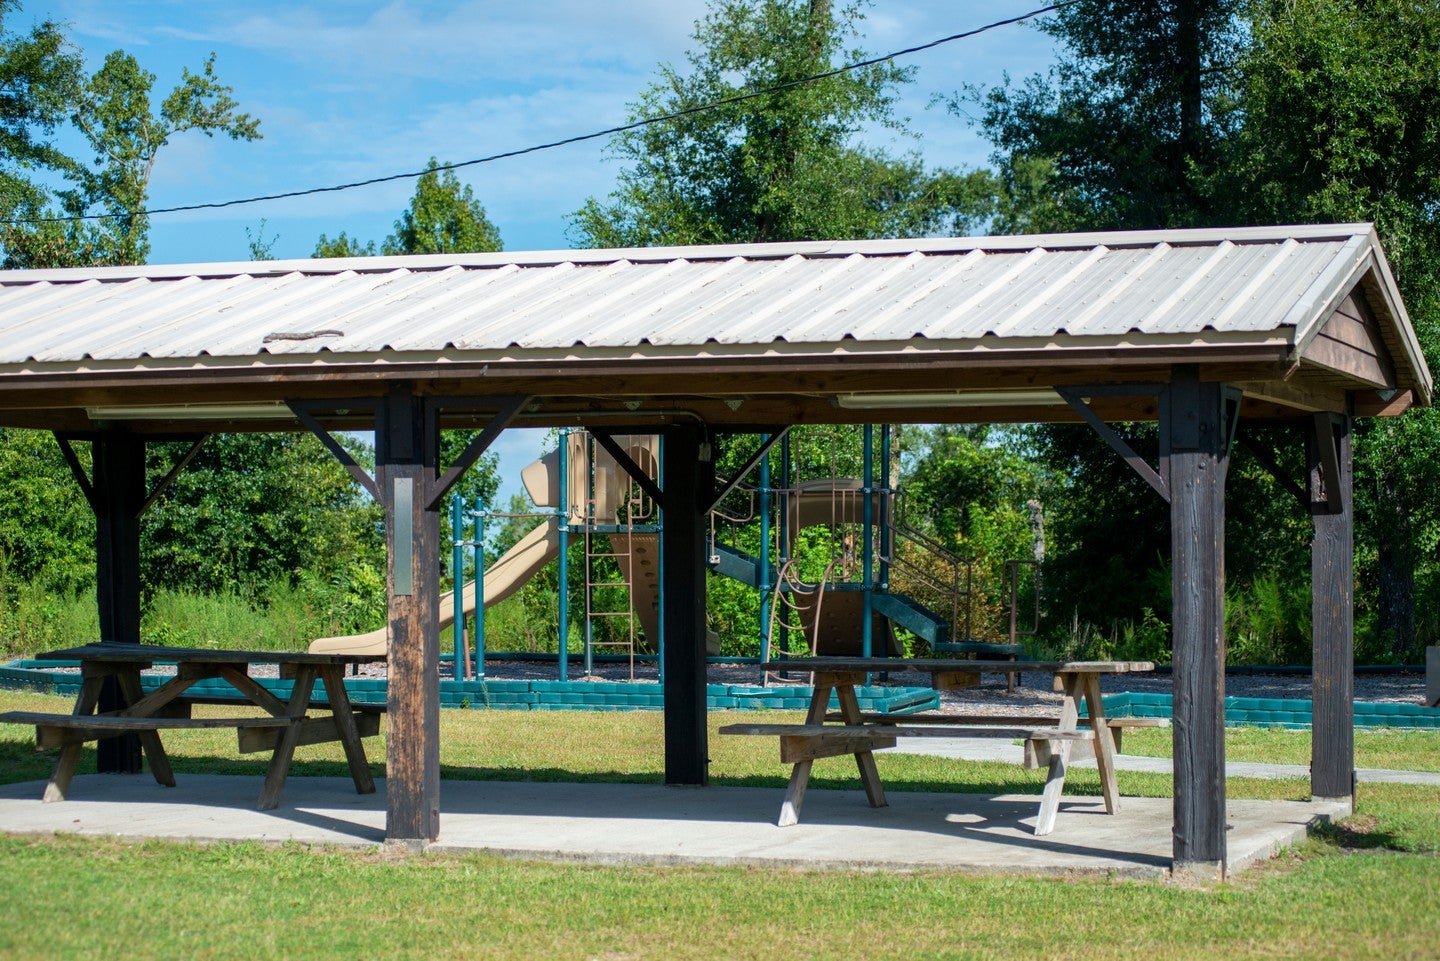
(654, 824)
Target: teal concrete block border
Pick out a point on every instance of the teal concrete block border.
(517, 695)
(1278, 712)
(642, 695)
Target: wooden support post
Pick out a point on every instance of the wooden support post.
(119, 499)
(1332, 573)
(405, 442)
(1197, 456)
(689, 479)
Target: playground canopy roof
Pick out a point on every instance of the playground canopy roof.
(970, 329)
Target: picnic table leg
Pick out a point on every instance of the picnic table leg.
(59, 783)
(1059, 755)
(128, 680)
(285, 750)
(1104, 744)
(800, 773)
(865, 760)
(334, 678)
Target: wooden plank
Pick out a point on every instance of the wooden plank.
(285, 749)
(105, 653)
(254, 738)
(955, 680)
(59, 730)
(931, 665)
(59, 783)
(800, 773)
(1010, 720)
(897, 730)
(1102, 744)
(810, 747)
(348, 728)
(1059, 755)
(865, 760)
(134, 694)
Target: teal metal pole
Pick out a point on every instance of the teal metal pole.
(479, 548)
(885, 508)
(457, 571)
(562, 460)
(867, 558)
(766, 588)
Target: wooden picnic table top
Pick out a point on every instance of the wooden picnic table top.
(940, 665)
(117, 653)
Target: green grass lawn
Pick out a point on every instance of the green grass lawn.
(1369, 888)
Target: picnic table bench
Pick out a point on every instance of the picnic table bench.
(1048, 742)
(285, 725)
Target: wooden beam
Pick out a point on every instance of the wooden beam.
(689, 480)
(509, 407)
(169, 478)
(1197, 539)
(748, 466)
(302, 412)
(1075, 397)
(1332, 573)
(628, 465)
(1265, 455)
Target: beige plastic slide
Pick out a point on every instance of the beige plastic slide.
(502, 578)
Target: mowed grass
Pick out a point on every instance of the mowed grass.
(1369, 888)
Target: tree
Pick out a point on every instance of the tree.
(112, 110)
(254, 509)
(443, 218)
(39, 80)
(1192, 112)
(784, 166)
(1342, 123)
(1132, 119)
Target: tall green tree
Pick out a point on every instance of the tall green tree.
(1341, 100)
(125, 131)
(785, 166)
(40, 77)
(1131, 121)
(443, 217)
(1195, 112)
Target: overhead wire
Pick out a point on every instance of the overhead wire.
(567, 141)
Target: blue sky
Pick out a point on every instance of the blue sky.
(351, 89)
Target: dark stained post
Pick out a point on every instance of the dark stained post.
(119, 488)
(406, 467)
(1198, 451)
(1332, 573)
(689, 474)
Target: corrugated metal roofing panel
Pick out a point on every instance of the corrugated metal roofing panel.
(811, 295)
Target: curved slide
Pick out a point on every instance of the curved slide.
(502, 578)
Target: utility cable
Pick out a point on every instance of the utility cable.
(579, 138)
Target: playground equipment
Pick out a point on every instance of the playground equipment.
(834, 563)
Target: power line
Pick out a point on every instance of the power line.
(579, 138)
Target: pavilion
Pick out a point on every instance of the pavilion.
(1207, 332)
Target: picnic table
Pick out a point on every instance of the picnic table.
(284, 725)
(1048, 741)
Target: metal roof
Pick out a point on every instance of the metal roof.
(1273, 286)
